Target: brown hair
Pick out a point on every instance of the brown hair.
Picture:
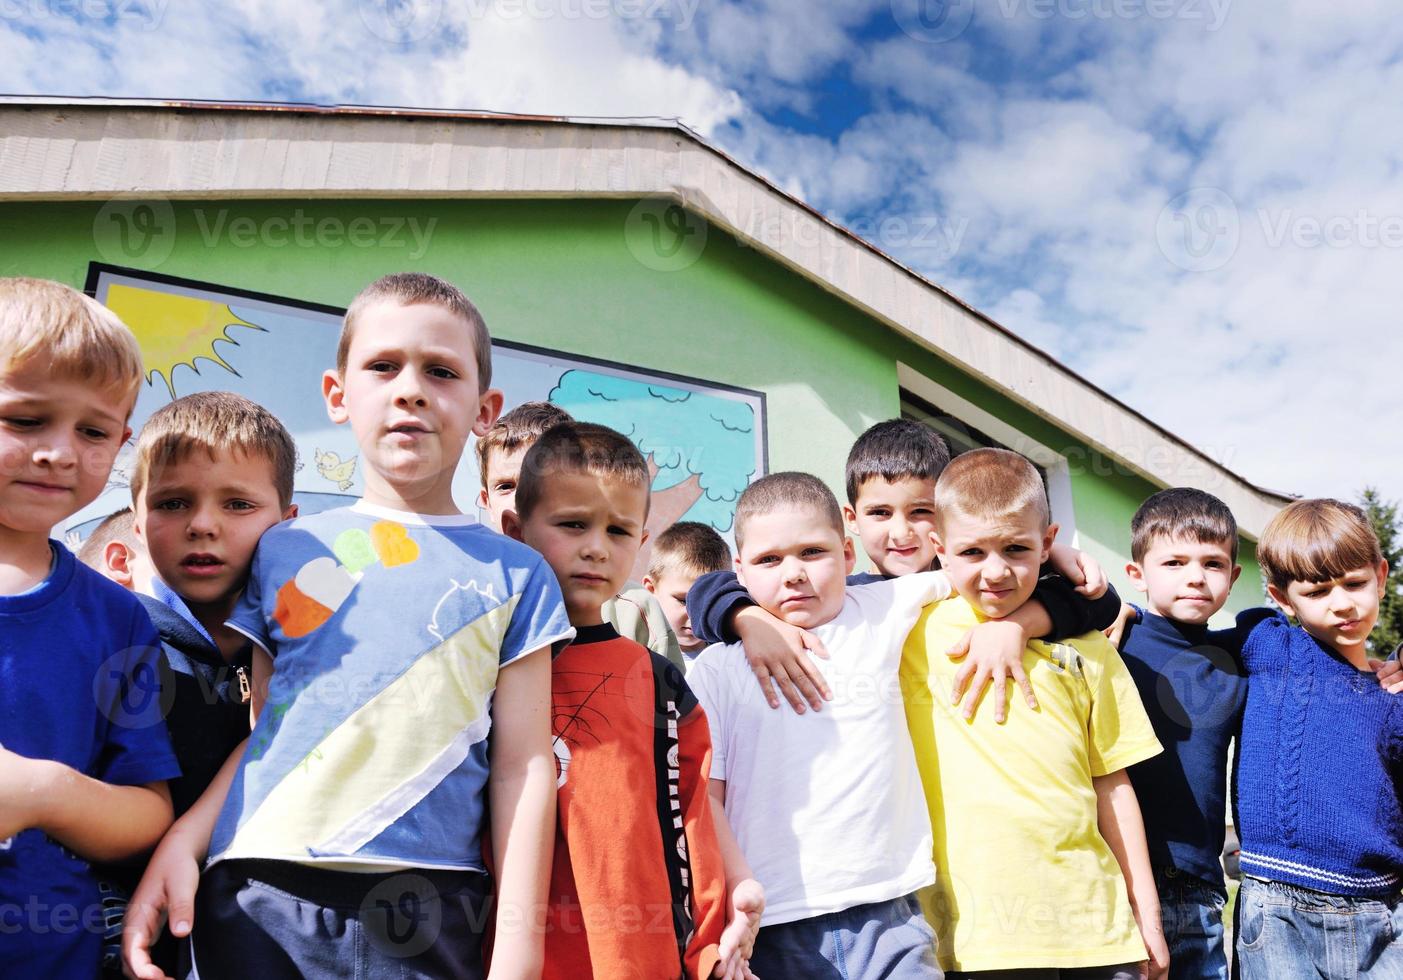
(521, 426)
(116, 526)
(578, 447)
(74, 335)
(1182, 513)
(987, 484)
(211, 420)
(691, 548)
(780, 491)
(1316, 541)
(407, 289)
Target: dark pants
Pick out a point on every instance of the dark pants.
(887, 940)
(1192, 913)
(1125, 971)
(270, 920)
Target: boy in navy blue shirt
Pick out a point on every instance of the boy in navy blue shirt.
(1191, 680)
(85, 753)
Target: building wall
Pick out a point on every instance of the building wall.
(582, 277)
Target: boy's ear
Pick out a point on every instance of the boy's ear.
(935, 540)
(649, 584)
(1236, 571)
(850, 518)
(511, 525)
(1279, 597)
(1049, 537)
(482, 499)
(290, 513)
(740, 569)
(849, 555)
(489, 406)
(1383, 575)
(334, 394)
(117, 558)
(1136, 574)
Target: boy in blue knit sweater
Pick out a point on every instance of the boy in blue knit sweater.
(1320, 761)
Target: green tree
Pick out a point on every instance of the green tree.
(1388, 525)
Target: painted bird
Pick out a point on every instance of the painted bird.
(334, 469)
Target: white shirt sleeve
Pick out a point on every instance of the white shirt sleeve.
(706, 682)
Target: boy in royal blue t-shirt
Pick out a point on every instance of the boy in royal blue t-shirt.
(85, 753)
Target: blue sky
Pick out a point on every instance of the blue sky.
(1196, 204)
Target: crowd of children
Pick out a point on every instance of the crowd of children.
(390, 740)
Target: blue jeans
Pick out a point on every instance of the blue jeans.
(1192, 913)
(1285, 932)
(884, 939)
(273, 920)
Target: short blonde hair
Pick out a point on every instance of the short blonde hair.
(211, 420)
(782, 491)
(689, 548)
(988, 484)
(76, 336)
(407, 289)
(1316, 541)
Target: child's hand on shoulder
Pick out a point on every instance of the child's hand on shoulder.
(738, 938)
(779, 653)
(1116, 631)
(1080, 569)
(1390, 671)
(995, 652)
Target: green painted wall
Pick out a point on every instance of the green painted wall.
(582, 277)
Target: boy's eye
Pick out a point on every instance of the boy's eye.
(922, 512)
(879, 512)
(380, 366)
(22, 423)
(241, 505)
(505, 487)
(576, 525)
(443, 372)
(94, 433)
(767, 559)
(971, 553)
(173, 504)
(620, 531)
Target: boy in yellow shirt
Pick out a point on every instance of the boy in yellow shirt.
(1042, 866)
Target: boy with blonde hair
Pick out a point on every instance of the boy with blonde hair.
(112, 550)
(681, 555)
(1037, 832)
(85, 753)
(1320, 760)
(644, 873)
(390, 638)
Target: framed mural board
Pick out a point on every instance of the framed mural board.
(704, 441)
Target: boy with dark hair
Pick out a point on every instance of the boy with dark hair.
(635, 830)
(84, 754)
(890, 476)
(390, 639)
(1038, 838)
(633, 611)
(682, 554)
(1320, 760)
(1183, 545)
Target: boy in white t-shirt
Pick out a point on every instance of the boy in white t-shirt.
(827, 807)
